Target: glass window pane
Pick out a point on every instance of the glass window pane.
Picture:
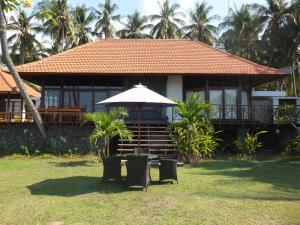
(215, 98)
(200, 93)
(51, 98)
(245, 105)
(230, 103)
(86, 101)
(70, 98)
(100, 96)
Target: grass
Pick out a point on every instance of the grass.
(69, 191)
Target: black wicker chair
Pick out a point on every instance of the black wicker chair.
(111, 168)
(138, 171)
(168, 170)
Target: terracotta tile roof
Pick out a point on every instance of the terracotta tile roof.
(7, 84)
(146, 56)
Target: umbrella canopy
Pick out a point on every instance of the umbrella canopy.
(139, 94)
(138, 97)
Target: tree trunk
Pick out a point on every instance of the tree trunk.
(15, 74)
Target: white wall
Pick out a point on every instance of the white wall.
(174, 91)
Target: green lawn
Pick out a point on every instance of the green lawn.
(65, 191)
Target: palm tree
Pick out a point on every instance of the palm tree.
(274, 17)
(135, 27)
(168, 21)
(201, 28)
(57, 21)
(8, 6)
(105, 16)
(107, 126)
(25, 45)
(242, 34)
(82, 18)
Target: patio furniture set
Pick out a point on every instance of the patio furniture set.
(138, 168)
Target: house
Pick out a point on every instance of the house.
(75, 80)
(12, 107)
(83, 76)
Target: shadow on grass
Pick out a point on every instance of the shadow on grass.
(72, 163)
(283, 174)
(73, 186)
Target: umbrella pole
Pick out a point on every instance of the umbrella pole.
(139, 128)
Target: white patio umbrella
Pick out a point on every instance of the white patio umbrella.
(139, 96)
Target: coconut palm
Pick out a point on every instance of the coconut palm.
(25, 45)
(107, 126)
(242, 34)
(201, 28)
(274, 17)
(105, 17)
(57, 21)
(135, 26)
(82, 19)
(9, 5)
(169, 20)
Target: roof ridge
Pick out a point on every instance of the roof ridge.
(237, 57)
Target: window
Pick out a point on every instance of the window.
(100, 96)
(215, 98)
(245, 105)
(230, 103)
(86, 101)
(201, 94)
(70, 98)
(51, 98)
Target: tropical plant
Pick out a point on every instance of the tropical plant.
(25, 45)
(193, 134)
(135, 26)
(82, 19)
(107, 126)
(243, 28)
(57, 21)
(292, 146)
(169, 20)
(274, 17)
(248, 144)
(286, 114)
(9, 5)
(201, 28)
(105, 17)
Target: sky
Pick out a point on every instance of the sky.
(220, 7)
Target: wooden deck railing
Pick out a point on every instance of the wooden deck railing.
(241, 115)
(229, 114)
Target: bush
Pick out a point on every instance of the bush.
(292, 146)
(193, 134)
(286, 114)
(249, 144)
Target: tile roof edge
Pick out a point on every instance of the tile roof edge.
(278, 71)
(55, 55)
(2, 75)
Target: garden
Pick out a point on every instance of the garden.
(215, 187)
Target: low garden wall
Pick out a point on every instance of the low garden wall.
(60, 138)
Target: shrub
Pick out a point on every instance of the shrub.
(193, 134)
(249, 144)
(286, 114)
(292, 146)
(107, 126)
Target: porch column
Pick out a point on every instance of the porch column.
(174, 91)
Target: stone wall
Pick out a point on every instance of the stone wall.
(60, 138)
